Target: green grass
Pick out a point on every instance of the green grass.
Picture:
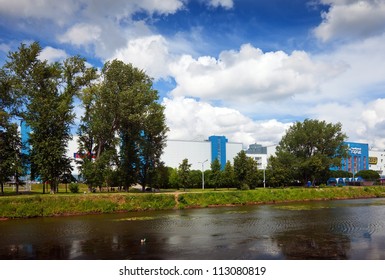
(38, 205)
(276, 195)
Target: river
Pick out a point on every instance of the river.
(343, 229)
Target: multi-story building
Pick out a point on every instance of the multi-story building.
(377, 162)
(357, 159)
(200, 154)
(259, 154)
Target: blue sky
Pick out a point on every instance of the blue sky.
(245, 69)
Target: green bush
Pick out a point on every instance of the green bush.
(74, 187)
(245, 187)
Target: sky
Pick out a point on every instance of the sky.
(245, 69)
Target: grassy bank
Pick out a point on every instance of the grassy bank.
(58, 205)
(27, 206)
(260, 196)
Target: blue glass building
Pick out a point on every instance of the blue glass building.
(218, 149)
(25, 130)
(358, 158)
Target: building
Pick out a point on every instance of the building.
(200, 154)
(357, 160)
(261, 154)
(258, 153)
(377, 162)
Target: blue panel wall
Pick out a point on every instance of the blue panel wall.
(358, 158)
(218, 149)
(25, 130)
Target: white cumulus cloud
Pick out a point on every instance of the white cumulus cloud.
(149, 53)
(351, 20)
(250, 75)
(57, 11)
(189, 119)
(81, 34)
(51, 54)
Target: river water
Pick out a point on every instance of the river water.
(346, 229)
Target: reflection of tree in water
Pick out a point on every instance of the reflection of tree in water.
(46, 251)
(317, 246)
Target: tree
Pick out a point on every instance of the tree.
(161, 177)
(368, 175)
(240, 168)
(173, 180)
(10, 152)
(184, 173)
(340, 174)
(308, 150)
(253, 174)
(122, 111)
(195, 179)
(216, 174)
(48, 90)
(245, 169)
(11, 158)
(228, 175)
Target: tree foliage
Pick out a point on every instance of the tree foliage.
(123, 125)
(11, 164)
(369, 175)
(228, 175)
(47, 91)
(246, 171)
(216, 174)
(307, 151)
(184, 173)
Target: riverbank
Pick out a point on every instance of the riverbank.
(28, 206)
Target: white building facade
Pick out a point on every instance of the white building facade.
(200, 154)
(377, 162)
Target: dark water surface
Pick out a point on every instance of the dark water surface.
(349, 229)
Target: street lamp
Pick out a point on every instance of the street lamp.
(264, 177)
(203, 174)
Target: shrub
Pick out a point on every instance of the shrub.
(74, 187)
(245, 187)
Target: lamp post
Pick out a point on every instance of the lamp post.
(264, 177)
(203, 174)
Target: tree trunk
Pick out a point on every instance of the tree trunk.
(17, 184)
(2, 188)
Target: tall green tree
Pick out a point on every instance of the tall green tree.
(228, 175)
(184, 173)
(48, 90)
(216, 174)
(122, 116)
(308, 150)
(10, 152)
(11, 159)
(245, 170)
